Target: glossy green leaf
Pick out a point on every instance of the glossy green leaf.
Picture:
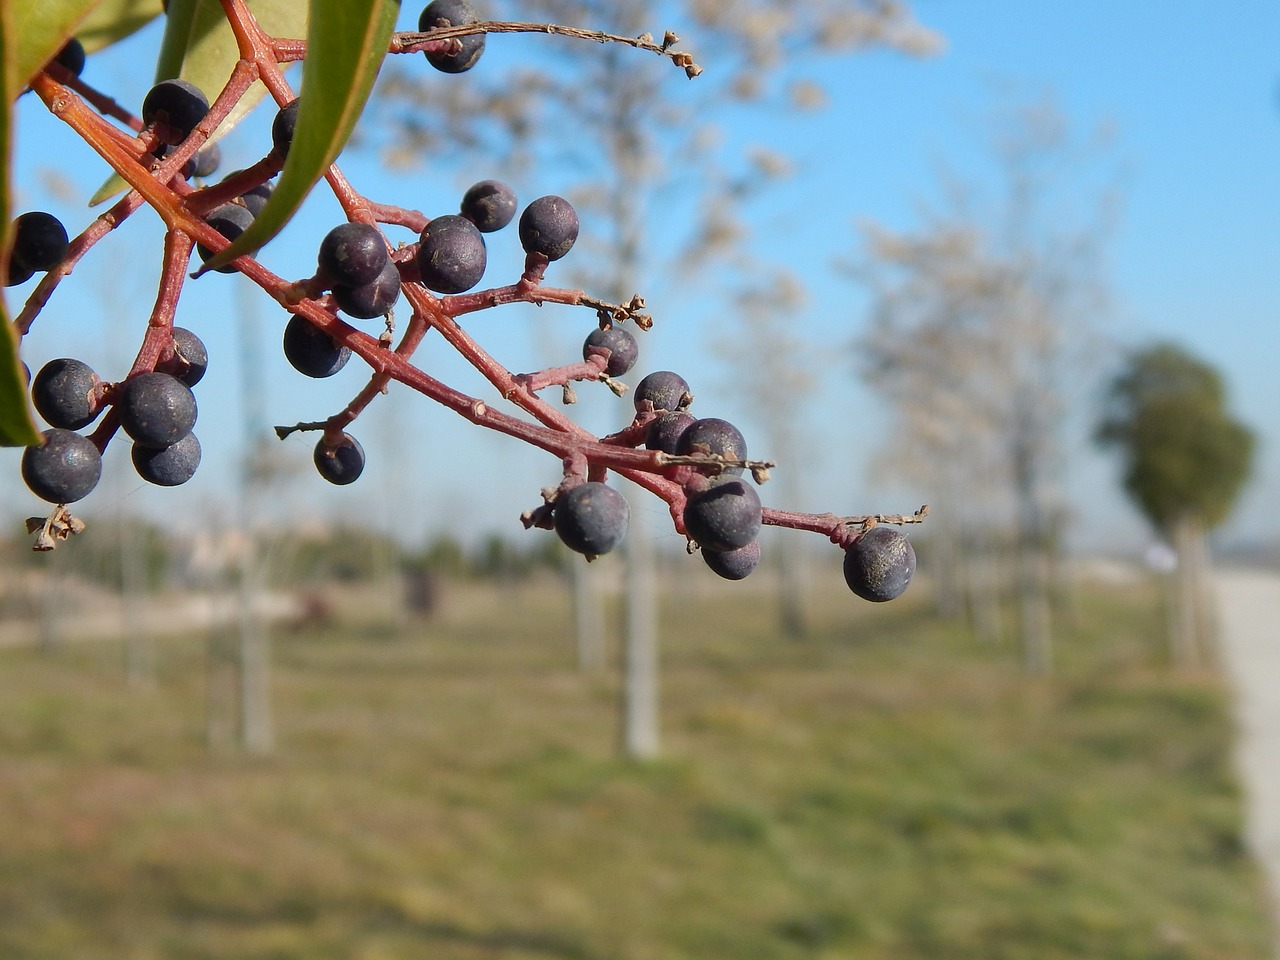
(113, 20)
(199, 46)
(346, 44)
(16, 426)
(113, 185)
(39, 31)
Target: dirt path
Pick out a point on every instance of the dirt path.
(1249, 605)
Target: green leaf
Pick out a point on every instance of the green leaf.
(200, 47)
(39, 31)
(16, 426)
(113, 20)
(346, 44)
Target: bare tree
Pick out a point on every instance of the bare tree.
(979, 325)
(623, 117)
(765, 348)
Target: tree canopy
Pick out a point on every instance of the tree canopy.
(1184, 454)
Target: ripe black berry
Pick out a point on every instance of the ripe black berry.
(489, 204)
(451, 254)
(879, 564)
(352, 254)
(230, 220)
(341, 463)
(39, 241)
(665, 430)
(373, 299)
(64, 468)
(282, 127)
(549, 226)
(205, 162)
(177, 105)
(620, 344)
(725, 516)
(255, 199)
(733, 564)
(453, 13)
(191, 359)
(312, 352)
(65, 393)
(16, 273)
(156, 409)
(664, 389)
(592, 518)
(168, 466)
(71, 56)
(714, 436)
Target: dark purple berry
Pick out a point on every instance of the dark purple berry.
(282, 127)
(39, 241)
(311, 351)
(352, 254)
(725, 516)
(373, 299)
(451, 254)
(156, 409)
(733, 564)
(664, 389)
(204, 162)
(714, 436)
(665, 430)
(489, 204)
(71, 56)
(168, 466)
(65, 393)
(620, 344)
(190, 358)
(255, 199)
(339, 463)
(230, 220)
(592, 518)
(16, 273)
(177, 105)
(879, 564)
(64, 468)
(453, 13)
(549, 226)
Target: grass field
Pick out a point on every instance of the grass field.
(886, 788)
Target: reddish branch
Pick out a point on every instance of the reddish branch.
(161, 186)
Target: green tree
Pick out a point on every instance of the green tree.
(1186, 459)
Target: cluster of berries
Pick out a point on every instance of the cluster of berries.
(722, 512)
(698, 465)
(156, 409)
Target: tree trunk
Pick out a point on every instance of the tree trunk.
(256, 733)
(588, 619)
(1190, 618)
(640, 668)
(139, 642)
(791, 589)
(1033, 605)
(983, 583)
(948, 576)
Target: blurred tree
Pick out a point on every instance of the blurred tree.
(979, 329)
(1186, 459)
(631, 128)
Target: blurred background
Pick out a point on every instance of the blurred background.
(934, 254)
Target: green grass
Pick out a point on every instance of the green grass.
(887, 788)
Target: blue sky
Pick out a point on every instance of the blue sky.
(1191, 90)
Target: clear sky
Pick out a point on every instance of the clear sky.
(1192, 91)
